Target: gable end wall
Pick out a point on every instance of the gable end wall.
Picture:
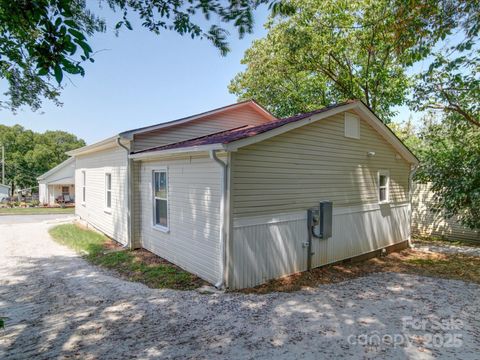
(244, 115)
(275, 181)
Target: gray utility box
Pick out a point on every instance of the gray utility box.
(320, 220)
(326, 219)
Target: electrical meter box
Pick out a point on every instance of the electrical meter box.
(320, 220)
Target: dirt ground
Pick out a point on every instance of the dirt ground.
(59, 306)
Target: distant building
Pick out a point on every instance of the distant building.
(4, 191)
(58, 182)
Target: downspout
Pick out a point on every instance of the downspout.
(129, 195)
(223, 218)
(410, 198)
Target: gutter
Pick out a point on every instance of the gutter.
(221, 284)
(166, 152)
(129, 196)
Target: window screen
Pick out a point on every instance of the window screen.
(160, 198)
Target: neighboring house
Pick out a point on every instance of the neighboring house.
(4, 191)
(57, 182)
(224, 194)
(428, 220)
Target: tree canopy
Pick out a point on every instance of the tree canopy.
(451, 163)
(451, 83)
(319, 52)
(323, 51)
(42, 40)
(29, 154)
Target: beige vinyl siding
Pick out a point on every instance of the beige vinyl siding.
(271, 246)
(95, 165)
(295, 170)
(244, 115)
(426, 221)
(194, 198)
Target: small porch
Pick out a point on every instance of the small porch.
(57, 194)
(57, 186)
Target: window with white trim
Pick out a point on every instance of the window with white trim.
(383, 186)
(84, 186)
(160, 199)
(108, 191)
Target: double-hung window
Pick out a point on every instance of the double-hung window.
(160, 199)
(108, 191)
(383, 186)
(84, 186)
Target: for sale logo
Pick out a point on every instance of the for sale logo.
(430, 333)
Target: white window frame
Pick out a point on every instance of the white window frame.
(108, 209)
(84, 187)
(386, 186)
(156, 226)
(348, 121)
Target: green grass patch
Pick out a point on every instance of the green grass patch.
(36, 211)
(134, 265)
(81, 240)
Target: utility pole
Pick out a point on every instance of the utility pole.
(3, 164)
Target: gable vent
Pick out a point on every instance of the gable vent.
(352, 126)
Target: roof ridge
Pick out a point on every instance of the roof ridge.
(188, 118)
(226, 136)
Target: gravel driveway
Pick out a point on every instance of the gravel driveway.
(22, 219)
(61, 307)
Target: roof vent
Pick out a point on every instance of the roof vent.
(352, 126)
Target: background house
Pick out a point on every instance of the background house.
(225, 194)
(57, 182)
(4, 191)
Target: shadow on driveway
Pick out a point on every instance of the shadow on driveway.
(61, 307)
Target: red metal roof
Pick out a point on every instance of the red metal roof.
(231, 135)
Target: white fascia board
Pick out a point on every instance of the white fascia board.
(56, 168)
(191, 149)
(104, 144)
(368, 115)
(287, 127)
(261, 110)
(387, 134)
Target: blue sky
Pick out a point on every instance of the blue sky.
(139, 79)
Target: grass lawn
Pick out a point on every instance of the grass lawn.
(134, 265)
(36, 211)
(408, 261)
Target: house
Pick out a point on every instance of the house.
(4, 191)
(224, 194)
(56, 183)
